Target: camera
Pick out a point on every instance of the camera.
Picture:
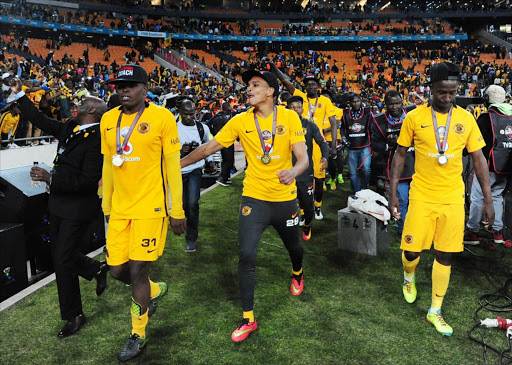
(188, 147)
(392, 133)
(345, 142)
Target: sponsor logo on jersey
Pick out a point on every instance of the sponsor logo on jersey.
(508, 131)
(266, 134)
(144, 128)
(128, 149)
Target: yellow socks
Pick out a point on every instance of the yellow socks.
(139, 321)
(318, 204)
(440, 281)
(302, 212)
(409, 267)
(297, 273)
(249, 315)
(154, 289)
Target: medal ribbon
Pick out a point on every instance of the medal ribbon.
(274, 120)
(441, 146)
(120, 147)
(312, 110)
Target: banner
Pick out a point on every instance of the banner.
(208, 37)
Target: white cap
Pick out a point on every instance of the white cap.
(5, 75)
(496, 94)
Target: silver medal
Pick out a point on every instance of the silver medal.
(117, 160)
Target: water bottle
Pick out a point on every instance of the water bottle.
(35, 184)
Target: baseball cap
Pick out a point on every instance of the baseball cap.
(131, 73)
(496, 94)
(6, 75)
(444, 71)
(269, 77)
(310, 77)
(295, 98)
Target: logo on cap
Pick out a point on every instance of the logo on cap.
(127, 71)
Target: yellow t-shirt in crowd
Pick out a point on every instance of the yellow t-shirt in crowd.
(324, 108)
(327, 125)
(261, 181)
(140, 183)
(432, 182)
(9, 122)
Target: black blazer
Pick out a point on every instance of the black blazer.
(77, 170)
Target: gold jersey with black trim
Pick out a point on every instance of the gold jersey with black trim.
(324, 108)
(140, 183)
(261, 181)
(433, 182)
(327, 124)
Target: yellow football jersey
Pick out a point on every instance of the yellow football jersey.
(324, 108)
(261, 180)
(431, 181)
(327, 125)
(140, 183)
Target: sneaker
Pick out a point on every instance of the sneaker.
(498, 236)
(507, 243)
(222, 182)
(438, 321)
(228, 181)
(191, 246)
(43, 142)
(340, 179)
(409, 290)
(333, 185)
(302, 220)
(471, 238)
(132, 347)
(306, 233)
(318, 213)
(153, 302)
(243, 330)
(328, 181)
(297, 285)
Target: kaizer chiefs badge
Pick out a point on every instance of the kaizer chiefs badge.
(304, 131)
(409, 239)
(459, 128)
(246, 210)
(143, 128)
(280, 129)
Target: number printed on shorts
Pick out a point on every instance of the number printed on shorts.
(147, 241)
(292, 222)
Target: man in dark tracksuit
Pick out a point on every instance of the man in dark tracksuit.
(305, 181)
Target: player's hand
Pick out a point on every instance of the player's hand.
(39, 174)
(394, 206)
(178, 226)
(488, 214)
(268, 60)
(15, 85)
(286, 177)
(324, 163)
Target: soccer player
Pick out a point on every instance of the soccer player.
(335, 167)
(305, 180)
(319, 109)
(268, 134)
(440, 132)
(141, 152)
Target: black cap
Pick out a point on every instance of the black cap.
(269, 77)
(131, 73)
(310, 77)
(444, 71)
(293, 99)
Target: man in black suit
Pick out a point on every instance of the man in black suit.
(73, 202)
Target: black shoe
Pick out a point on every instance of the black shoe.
(101, 278)
(222, 182)
(132, 347)
(72, 326)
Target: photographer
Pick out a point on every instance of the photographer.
(192, 134)
(384, 134)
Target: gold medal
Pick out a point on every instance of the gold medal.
(265, 159)
(117, 160)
